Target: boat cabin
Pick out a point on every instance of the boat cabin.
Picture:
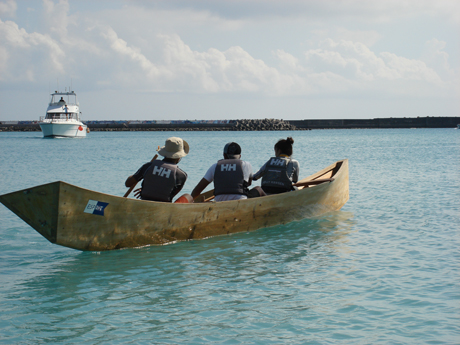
(63, 106)
(62, 116)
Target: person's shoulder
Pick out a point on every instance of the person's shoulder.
(265, 164)
(145, 166)
(209, 175)
(247, 167)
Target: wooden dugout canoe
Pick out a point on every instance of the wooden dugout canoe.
(87, 220)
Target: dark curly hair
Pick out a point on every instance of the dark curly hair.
(285, 146)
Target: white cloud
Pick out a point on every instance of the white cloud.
(56, 15)
(13, 35)
(355, 61)
(410, 69)
(294, 48)
(185, 70)
(435, 56)
(20, 47)
(120, 46)
(333, 66)
(8, 8)
(288, 62)
(232, 70)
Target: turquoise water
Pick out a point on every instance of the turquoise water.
(383, 270)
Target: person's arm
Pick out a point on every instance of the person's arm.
(181, 178)
(296, 172)
(205, 181)
(260, 173)
(247, 172)
(176, 191)
(200, 187)
(139, 175)
(130, 181)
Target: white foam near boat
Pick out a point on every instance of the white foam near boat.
(63, 117)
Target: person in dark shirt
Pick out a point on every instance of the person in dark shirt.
(281, 171)
(162, 180)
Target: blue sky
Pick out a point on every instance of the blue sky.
(207, 59)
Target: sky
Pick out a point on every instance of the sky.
(231, 59)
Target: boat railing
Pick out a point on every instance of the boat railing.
(71, 98)
(60, 117)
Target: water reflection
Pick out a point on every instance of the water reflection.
(288, 242)
(225, 275)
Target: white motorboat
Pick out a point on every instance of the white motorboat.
(63, 117)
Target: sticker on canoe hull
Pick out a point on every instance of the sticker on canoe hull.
(96, 207)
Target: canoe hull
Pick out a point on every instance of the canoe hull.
(87, 220)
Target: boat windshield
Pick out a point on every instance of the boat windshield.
(63, 98)
(62, 116)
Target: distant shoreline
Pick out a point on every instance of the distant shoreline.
(249, 125)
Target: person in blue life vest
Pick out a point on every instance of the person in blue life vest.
(279, 172)
(162, 179)
(231, 175)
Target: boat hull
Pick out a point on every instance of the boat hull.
(87, 220)
(56, 129)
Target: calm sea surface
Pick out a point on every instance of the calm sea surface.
(383, 270)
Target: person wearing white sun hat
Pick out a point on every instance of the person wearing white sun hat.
(162, 179)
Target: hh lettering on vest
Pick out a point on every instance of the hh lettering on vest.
(275, 161)
(162, 172)
(228, 167)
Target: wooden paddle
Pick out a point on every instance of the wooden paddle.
(204, 197)
(313, 182)
(134, 185)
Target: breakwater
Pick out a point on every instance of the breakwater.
(397, 122)
(249, 125)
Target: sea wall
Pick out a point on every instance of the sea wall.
(249, 125)
(396, 122)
